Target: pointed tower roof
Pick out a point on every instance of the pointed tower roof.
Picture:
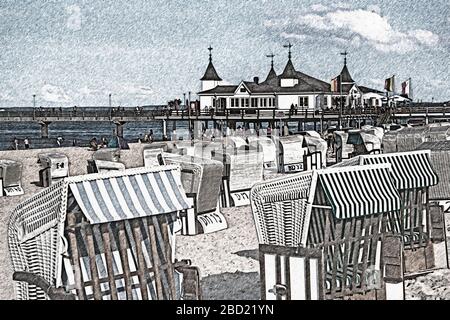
(289, 71)
(345, 76)
(210, 73)
(272, 77)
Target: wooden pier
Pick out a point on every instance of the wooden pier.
(347, 117)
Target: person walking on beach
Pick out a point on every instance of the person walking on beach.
(16, 143)
(26, 141)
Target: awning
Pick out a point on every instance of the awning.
(360, 190)
(410, 170)
(130, 194)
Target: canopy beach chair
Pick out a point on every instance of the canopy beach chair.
(290, 153)
(438, 132)
(54, 167)
(413, 175)
(404, 139)
(364, 142)
(201, 179)
(268, 148)
(102, 236)
(316, 158)
(105, 159)
(10, 178)
(440, 193)
(343, 149)
(204, 149)
(324, 234)
(243, 168)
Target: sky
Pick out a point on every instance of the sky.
(77, 52)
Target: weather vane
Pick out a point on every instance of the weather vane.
(210, 53)
(271, 56)
(289, 45)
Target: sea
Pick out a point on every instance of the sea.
(80, 133)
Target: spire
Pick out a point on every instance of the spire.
(345, 76)
(271, 57)
(210, 73)
(272, 74)
(289, 46)
(210, 53)
(289, 71)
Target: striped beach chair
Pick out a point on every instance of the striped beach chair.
(103, 236)
(324, 234)
(413, 175)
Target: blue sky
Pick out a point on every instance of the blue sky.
(148, 52)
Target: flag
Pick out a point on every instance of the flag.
(389, 84)
(406, 88)
(335, 84)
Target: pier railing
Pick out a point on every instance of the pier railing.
(136, 114)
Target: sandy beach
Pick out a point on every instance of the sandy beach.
(228, 260)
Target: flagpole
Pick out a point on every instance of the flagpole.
(340, 109)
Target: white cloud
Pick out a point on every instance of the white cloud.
(287, 35)
(51, 93)
(139, 91)
(342, 5)
(360, 26)
(318, 7)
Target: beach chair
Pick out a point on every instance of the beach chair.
(201, 179)
(324, 234)
(291, 152)
(343, 149)
(54, 167)
(404, 139)
(10, 178)
(102, 236)
(243, 168)
(316, 158)
(439, 196)
(104, 160)
(421, 227)
(268, 148)
(364, 142)
(204, 149)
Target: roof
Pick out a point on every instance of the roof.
(225, 89)
(345, 75)
(289, 71)
(129, 194)
(211, 73)
(360, 190)
(272, 78)
(410, 170)
(369, 90)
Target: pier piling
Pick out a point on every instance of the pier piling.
(44, 128)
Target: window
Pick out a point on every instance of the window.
(243, 89)
(232, 102)
(235, 102)
(247, 102)
(303, 101)
(325, 101)
(254, 102)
